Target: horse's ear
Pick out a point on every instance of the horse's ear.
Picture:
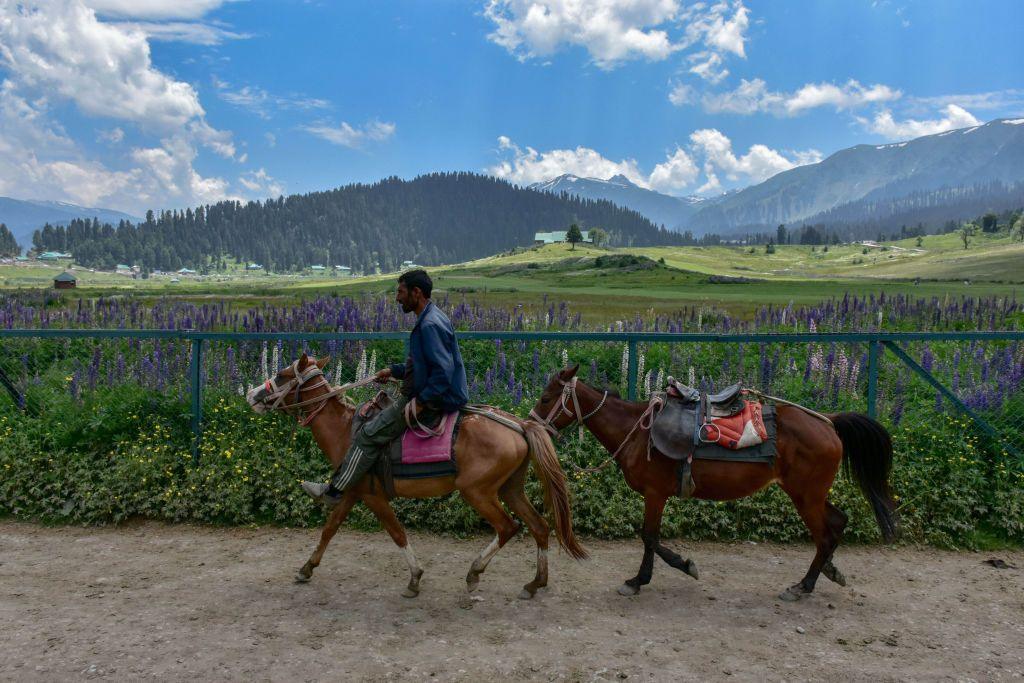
(322, 363)
(569, 373)
(303, 362)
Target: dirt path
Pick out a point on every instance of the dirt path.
(182, 602)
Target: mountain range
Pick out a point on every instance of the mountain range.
(662, 209)
(936, 177)
(24, 216)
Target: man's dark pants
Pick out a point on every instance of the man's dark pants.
(372, 440)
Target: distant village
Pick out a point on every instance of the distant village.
(67, 278)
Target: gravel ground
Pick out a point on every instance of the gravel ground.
(187, 602)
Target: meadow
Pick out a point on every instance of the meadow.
(603, 284)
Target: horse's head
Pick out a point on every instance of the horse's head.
(556, 409)
(284, 389)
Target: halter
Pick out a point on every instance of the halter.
(561, 407)
(278, 392)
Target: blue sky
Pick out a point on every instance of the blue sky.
(136, 104)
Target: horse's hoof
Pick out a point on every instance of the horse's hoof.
(525, 595)
(833, 574)
(410, 593)
(691, 568)
(793, 594)
(302, 578)
(627, 590)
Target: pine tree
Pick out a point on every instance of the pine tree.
(8, 245)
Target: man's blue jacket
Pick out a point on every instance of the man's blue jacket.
(439, 375)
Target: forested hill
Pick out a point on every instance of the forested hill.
(436, 218)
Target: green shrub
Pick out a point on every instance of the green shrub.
(125, 452)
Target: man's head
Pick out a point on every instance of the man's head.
(414, 288)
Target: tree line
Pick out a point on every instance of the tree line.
(432, 219)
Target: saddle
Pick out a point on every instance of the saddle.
(413, 455)
(722, 426)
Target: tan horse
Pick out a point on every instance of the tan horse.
(492, 461)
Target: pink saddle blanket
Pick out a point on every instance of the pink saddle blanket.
(420, 448)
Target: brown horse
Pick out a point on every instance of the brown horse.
(492, 461)
(810, 451)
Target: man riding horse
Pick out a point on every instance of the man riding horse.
(434, 382)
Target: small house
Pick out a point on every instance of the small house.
(254, 266)
(186, 271)
(65, 281)
(317, 268)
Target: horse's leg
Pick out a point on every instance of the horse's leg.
(813, 509)
(837, 524)
(505, 527)
(654, 506)
(380, 507)
(515, 497)
(334, 520)
(672, 559)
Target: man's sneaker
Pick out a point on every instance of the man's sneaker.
(319, 492)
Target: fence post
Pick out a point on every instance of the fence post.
(631, 369)
(873, 347)
(197, 396)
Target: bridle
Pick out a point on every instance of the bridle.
(298, 384)
(561, 407)
(645, 421)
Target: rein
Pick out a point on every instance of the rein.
(568, 391)
(298, 382)
(645, 421)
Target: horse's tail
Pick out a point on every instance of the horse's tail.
(867, 459)
(556, 491)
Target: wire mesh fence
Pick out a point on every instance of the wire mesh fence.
(906, 376)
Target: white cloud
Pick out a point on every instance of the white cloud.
(753, 95)
(681, 94)
(759, 163)
(530, 166)
(56, 51)
(710, 152)
(675, 173)
(716, 29)
(271, 139)
(615, 31)
(60, 47)
(886, 125)
(1011, 98)
(155, 9)
(194, 32)
(112, 137)
(346, 135)
(708, 65)
(261, 184)
(261, 102)
(611, 30)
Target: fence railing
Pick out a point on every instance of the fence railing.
(877, 345)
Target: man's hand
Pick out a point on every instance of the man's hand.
(382, 376)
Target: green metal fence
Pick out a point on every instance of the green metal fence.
(970, 363)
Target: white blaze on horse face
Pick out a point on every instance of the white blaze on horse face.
(257, 406)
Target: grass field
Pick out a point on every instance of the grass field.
(606, 283)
